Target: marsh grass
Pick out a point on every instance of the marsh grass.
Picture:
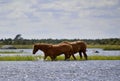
(9, 52)
(19, 58)
(104, 57)
(95, 57)
(105, 47)
(59, 58)
(112, 47)
(23, 46)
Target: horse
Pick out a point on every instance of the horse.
(53, 50)
(78, 46)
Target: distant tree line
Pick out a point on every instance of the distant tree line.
(9, 41)
(18, 40)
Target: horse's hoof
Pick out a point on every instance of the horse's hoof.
(67, 60)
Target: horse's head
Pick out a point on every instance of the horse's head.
(41, 46)
(35, 49)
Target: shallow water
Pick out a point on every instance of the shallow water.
(89, 52)
(60, 70)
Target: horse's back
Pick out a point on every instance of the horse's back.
(77, 45)
(62, 46)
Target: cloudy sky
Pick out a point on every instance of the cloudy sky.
(37, 19)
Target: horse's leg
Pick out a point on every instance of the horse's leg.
(71, 53)
(73, 56)
(67, 56)
(45, 57)
(80, 53)
(52, 58)
(85, 55)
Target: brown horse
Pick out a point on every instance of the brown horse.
(54, 50)
(78, 46)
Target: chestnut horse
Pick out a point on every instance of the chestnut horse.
(54, 50)
(78, 46)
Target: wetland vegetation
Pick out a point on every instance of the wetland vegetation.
(59, 58)
(21, 43)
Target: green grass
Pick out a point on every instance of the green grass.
(60, 58)
(95, 57)
(9, 52)
(23, 46)
(104, 57)
(105, 47)
(19, 58)
(112, 47)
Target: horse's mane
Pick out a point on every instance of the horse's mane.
(43, 45)
(67, 42)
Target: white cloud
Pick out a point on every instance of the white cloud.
(60, 18)
(65, 8)
(76, 5)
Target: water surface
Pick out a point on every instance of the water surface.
(60, 70)
(91, 51)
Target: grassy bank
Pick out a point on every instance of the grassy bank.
(9, 52)
(104, 58)
(18, 58)
(24, 46)
(21, 46)
(95, 57)
(34, 58)
(105, 47)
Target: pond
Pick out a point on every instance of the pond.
(98, 51)
(90, 51)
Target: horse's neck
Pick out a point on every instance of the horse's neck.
(44, 48)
